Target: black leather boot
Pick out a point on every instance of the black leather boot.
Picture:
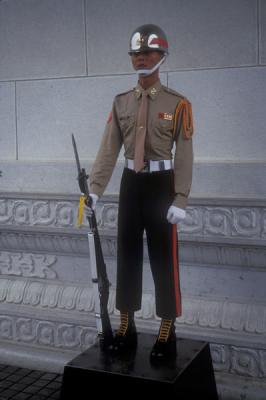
(125, 339)
(164, 348)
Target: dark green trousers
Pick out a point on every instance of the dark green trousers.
(143, 203)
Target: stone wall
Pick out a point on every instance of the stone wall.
(62, 62)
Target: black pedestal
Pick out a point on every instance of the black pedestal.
(190, 375)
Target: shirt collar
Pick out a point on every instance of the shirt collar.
(152, 91)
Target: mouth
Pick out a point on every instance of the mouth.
(141, 66)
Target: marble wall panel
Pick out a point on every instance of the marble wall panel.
(7, 121)
(40, 39)
(206, 33)
(262, 32)
(50, 111)
(229, 112)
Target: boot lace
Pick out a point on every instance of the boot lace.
(123, 324)
(164, 330)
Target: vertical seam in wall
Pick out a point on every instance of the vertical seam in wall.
(85, 33)
(16, 121)
(258, 31)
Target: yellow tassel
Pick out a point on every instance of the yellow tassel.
(81, 210)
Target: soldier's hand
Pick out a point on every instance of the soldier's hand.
(175, 215)
(94, 198)
(88, 211)
(91, 204)
(82, 180)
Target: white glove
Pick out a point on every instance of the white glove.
(175, 215)
(94, 197)
(87, 210)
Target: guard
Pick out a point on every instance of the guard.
(154, 125)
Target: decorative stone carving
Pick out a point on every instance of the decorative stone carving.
(5, 213)
(65, 214)
(69, 336)
(194, 221)
(6, 327)
(38, 231)
(246, 362)
(33, 293)
(246, 222)
(231, 359)
(38, 213)
(46, 333)
(263, 223)
(21, 212)
(24, 330)
(199, 312)
(42, 213)
(220, 357)
(108, 215)
(27, 265)
(217, 220)
(16, 291)
(239, 360)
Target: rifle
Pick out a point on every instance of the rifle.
(100, 282)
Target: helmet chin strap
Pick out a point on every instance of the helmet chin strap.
(147, 72)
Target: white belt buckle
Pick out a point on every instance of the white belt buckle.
(146, 167)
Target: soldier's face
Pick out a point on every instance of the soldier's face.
(146, 59)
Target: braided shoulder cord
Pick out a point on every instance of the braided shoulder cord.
(183, 119)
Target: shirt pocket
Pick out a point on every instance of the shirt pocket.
(161, 137)
(127, 123)
(163, 129)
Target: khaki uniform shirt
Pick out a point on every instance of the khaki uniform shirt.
(163, 138)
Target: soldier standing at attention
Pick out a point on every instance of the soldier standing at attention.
(151, 121)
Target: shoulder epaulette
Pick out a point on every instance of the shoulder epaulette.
(123, 93)
(175, 93)
(183, 118)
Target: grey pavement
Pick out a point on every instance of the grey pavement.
(26, 384)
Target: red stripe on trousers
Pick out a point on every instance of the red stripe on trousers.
(176, 271)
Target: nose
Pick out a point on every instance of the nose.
(139, 56)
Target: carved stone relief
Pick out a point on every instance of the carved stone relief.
(27, 265)
(205, 313)
(239, 360)
(68, 336)
(218, 221)
(37, 231)
(46, 333)
(38, 213)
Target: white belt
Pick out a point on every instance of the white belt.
(150, 165)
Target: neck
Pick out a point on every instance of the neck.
(147, 81)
